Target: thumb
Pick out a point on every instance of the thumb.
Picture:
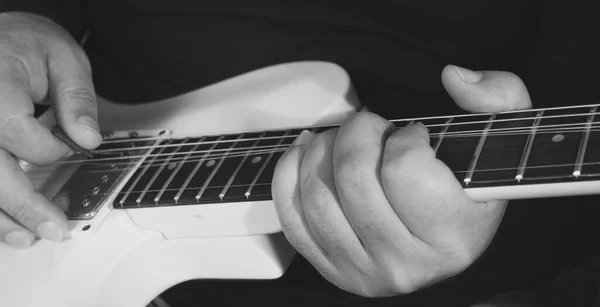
(485, 91)
(72, 93)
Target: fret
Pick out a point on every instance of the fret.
(591, 160)
(531, 146)
(195, 169)
(555, 147)
(584, 142)
(477, 152)
(440, 137)
(239, 166)
(160, 167)
(503, 149)
(176, 170)
(262, 186)
(528, 145)
(264, 165)
(216, 168)
(142, 172)
(460, 141)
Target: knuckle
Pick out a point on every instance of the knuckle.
(364, 118)
(13, 69)
(326, 136)
(376, 287)
(361, 121)
(405, 281)
(403, 161)
(460, 258)
(19, 210)
(80, 94)
(12, 130)
(400, 285)
(350, 174)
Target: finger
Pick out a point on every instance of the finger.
(485, 91)
(288, 205)
(24, 57)
(13, 233)
(357, 162)
(324, 216)
(20, 133)
(19, 200)
(430, 201)
(72, 93)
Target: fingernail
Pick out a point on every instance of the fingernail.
(17, 239)
(468, 76)
(89, 123)
(304, 137)
(50, 231)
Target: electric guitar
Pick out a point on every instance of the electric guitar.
(180, 188)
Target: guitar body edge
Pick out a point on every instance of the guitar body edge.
(130, 260)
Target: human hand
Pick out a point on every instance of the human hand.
(372, 208)
(38, 60)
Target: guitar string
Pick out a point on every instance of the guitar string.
(466, 133)
(571, 165)
(513, 130)
(130, 165)
(215, 153)
(239, 153)
(419, 119)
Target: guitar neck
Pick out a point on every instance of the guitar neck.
(521, 154)
(509, 155)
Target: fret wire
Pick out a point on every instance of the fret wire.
(237, 169)
(463, 171)
(442, 133)
(194, 170)
(138, 178)
(584, 142)
(486, 181)
(156, 174)
(528, 145)
(263, 166)
(477, 153)
(176, 170)
(216, 168)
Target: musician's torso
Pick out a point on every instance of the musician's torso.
(392, 50)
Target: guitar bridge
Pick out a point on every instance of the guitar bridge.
(84, 187)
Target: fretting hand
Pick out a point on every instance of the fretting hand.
(372, 208)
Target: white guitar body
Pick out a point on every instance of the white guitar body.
(128, 257)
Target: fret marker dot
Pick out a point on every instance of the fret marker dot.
(256, 159)
(210, 163)
(171, 166)
(557, 138)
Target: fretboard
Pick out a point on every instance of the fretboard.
(511, 149)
